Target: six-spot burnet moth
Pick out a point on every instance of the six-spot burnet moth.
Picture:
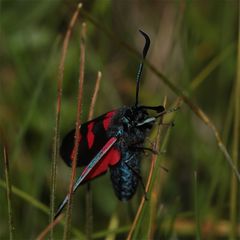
(115, 141)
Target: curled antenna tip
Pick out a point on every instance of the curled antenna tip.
(142, 32)
(147, 44)
(144, 53)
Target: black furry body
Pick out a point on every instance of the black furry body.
(126, 173)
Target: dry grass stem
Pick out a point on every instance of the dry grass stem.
(94, 97)
(58, 112)
(77, 132)
(89, 208)
(153, 164)
(51, 225)
(234, 206)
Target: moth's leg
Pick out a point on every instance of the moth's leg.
(139, 177)
(135, 146)
(144, 149)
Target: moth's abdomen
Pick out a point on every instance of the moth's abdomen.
(124, 176)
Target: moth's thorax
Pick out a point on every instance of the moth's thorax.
(125, 121)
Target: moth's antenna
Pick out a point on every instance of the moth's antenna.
(144, 53)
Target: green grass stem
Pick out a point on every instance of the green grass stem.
(234, 198)
(196, 206)
(9, 191)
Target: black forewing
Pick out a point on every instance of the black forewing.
(85, 152)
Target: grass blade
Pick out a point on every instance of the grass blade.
(77, 132)
(58, 112)
(94, 97)
(89, 208)
(133, 233)
(235, 148)
(9, 191)
(197, 217)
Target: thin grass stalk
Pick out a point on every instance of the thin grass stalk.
(152, 208)
(197, 110)
(154, 174)
(150, 176)
(225, 135)
(9, 191)
(196, 206)
(58, 113)
(140, 208)
(77, 132)
(150, 204)
(89, 212)
(136, 223)
(155, 193)
(234, 202)
(51, 225)
(56, 221)
(89, 208)
(95, 94)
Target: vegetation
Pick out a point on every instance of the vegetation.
(193, 62)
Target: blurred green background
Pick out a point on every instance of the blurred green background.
(193, 43)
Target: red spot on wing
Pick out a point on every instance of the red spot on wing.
(110, 159)
(113, 157)
(90, 135)
(107, 119)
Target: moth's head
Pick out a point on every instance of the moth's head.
(147, 115)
